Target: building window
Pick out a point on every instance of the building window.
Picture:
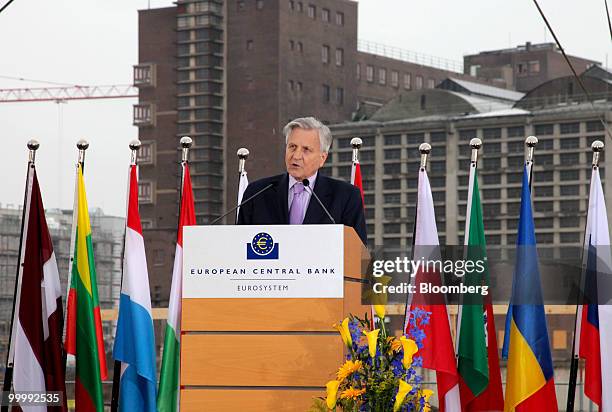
(339, 18)
(259, 4)
(239, 6)
(291, 5)
(407, 81)
(145, 153)
(300, 47)
(541, 129)
(431, 83)
(290, 85)
(312, 11)
(298, 87)
(516, 131)
(326, 93)
(249, 45)
(142, 115)
(370, 73)
(419, 82)
(300, 7)
(325, 54)
(325, 15)
(394, 78)
(291, 45)
(339, 57)
(567, 128)
(534, 66)
(143, 75)
(145, 192)
(358, 72)
(340, 96)
(382, 76)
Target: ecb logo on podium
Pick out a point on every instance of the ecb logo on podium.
(262, 247)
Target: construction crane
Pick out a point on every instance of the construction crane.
(65, 93)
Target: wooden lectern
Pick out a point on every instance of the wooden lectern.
(263, 355)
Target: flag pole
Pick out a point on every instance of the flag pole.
(597, 147)
(186, 143)
(82, 145)
(530, 144)
(243, 154)
(356, 144)
(475, 144)
(424, 149)
(33, 146)
(134, 147)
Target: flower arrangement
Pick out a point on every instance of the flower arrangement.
(378, 374)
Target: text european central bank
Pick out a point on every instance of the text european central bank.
(292, 261)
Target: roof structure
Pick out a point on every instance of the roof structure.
(472, 88)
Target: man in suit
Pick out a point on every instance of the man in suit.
(288, 201)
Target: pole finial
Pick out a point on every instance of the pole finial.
(475, 144)
(33, 146)
(424, 149)
(134, 147)
(531, 141)
(356, 144)
(530, 144)
(597, 147)
(186, 143)
(82, 144)
(243, 154)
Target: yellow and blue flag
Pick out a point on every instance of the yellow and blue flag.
(530, 384)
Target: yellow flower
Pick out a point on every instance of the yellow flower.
(345, 334)
(372, 339)
(352, 393)
(410, 348)
(332, 393)
(348, 369)
(404, 388)
(395, 344)
(380, 311)
(426, 395)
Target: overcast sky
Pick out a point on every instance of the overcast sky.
(91, 42)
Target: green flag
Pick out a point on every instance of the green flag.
(472, 348)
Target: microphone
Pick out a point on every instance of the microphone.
(306, 184)
(273, 184)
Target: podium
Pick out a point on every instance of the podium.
(247, 347)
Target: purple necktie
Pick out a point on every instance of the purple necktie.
(296, 212)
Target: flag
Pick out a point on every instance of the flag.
(168, 396)
(134, 338)
(242, 185)
(529, 384)
(84, 325)
(39, 322)
(356, 179)
(594, 317)
(438, 352)
(480, 378)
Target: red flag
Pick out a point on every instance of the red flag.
(356, 179)
(37, 329)
(438, 352)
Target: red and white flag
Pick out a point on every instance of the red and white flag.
(36, 346)
(438, 352)
(594, 320)
(356, 179)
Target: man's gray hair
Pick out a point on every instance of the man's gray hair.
(310, 123)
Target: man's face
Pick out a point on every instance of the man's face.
(303, 155)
